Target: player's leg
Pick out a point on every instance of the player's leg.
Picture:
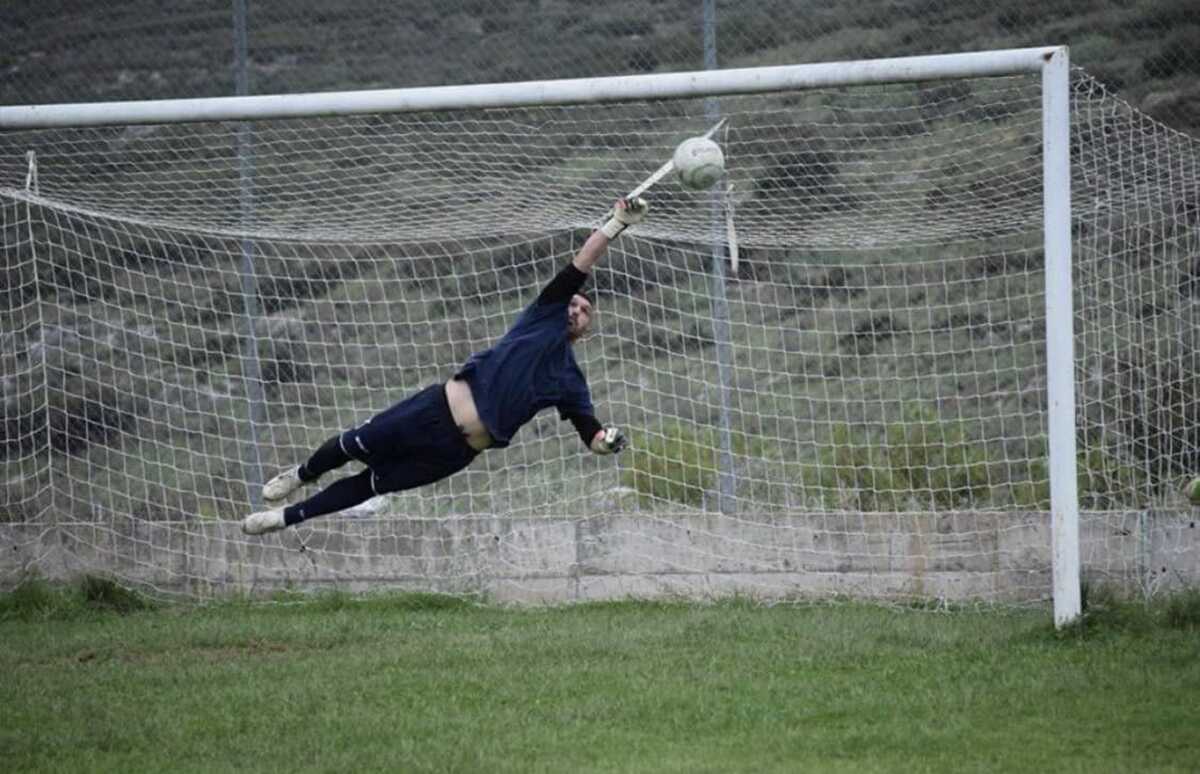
(328, 456)
(443, 457)
(331, 455)
(442, 452)
(431, 448)
(423, 445)
(338, 496)
(381, 431)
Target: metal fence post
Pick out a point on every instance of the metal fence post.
(252, 375)
(726, 480)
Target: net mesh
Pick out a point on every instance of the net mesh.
(854, 168)
(857, 408)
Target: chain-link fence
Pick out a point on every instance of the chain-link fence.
(77, 50)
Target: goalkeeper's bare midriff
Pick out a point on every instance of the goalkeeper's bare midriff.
(466, 414)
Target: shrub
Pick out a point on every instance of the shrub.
(677, 465)
(105, 594)
(922, 462)
(927, 462)
(1177, 54)
(1163, 417)
(1106, 481)
(32, 599)
(1183, 609)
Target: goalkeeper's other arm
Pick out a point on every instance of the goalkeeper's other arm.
(601, 439)
(609, 440)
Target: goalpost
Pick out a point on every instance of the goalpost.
(884, 399)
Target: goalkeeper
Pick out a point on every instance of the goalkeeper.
(441, 429)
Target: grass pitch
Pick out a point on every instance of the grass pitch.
(95, 681)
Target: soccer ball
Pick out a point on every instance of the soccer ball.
(699, 162)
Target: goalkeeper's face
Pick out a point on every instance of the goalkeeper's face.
(579, 317)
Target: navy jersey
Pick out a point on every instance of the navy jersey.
(531, 368)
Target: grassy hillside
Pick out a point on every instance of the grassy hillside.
(65, 50)
(126, 346)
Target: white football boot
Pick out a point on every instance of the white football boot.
(282, 485)
(263, 522)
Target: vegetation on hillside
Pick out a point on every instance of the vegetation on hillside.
(66, 51)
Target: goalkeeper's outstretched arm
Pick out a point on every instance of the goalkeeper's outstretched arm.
(624, 214)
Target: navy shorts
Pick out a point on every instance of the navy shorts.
(411, 444)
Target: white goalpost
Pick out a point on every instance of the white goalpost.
(1060, 336)
(951, 356)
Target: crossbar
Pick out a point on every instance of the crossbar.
(701, 83)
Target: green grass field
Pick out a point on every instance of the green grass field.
(430, 684)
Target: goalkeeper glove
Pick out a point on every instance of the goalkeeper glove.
(610, 440)
(624, 215)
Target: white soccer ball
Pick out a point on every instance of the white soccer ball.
(699, 162)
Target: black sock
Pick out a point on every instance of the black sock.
(338, 496)
(326, 458)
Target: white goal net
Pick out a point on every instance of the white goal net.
(857, 407)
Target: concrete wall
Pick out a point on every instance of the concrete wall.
(1002, 557)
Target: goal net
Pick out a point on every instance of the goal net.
(832, 368)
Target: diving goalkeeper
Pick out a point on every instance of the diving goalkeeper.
(441, 429)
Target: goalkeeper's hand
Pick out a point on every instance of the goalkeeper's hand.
(624, 215)
(609, 440)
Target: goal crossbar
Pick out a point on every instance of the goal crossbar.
(704, 83)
